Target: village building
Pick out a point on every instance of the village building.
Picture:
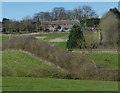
(63, 25)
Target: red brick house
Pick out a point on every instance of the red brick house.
(65, 25)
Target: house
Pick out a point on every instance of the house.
(63, 25)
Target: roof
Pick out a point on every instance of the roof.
(66, 26)
(59, 22)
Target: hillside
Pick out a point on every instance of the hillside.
(16, 63)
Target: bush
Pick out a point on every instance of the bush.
(76, 38)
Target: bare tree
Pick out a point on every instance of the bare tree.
(109, 26)
(77, 13)
(88, 12)
(58, 13)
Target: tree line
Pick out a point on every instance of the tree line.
(25, 25)
(85, 15)
(60, 13)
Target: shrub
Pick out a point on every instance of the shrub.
(76, 38)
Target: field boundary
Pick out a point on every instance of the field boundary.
(97, 51)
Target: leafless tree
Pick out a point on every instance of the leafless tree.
(109, 26)
(58, 13)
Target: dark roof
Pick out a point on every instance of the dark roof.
(59, 22)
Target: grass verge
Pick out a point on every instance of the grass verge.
(47, 84)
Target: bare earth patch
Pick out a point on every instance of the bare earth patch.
(41, 37)
(58, 40)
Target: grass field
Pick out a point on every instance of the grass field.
(17, 63)
(110, 59)
(60, 45)
(49, 36)
(47, 84)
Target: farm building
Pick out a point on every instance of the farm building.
(63, 25)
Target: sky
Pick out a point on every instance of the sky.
(60, 0)
(19, 10)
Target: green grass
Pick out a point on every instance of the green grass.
(47, 84)
(17, 63)
(112, 58)
(0, 71)
(4, 38)
(20, 60)
(54, 35)
(60, 45)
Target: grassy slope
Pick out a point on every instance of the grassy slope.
(101, 57)
(19, 59)
(46, 84)
(22, 64)
(111, 57)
